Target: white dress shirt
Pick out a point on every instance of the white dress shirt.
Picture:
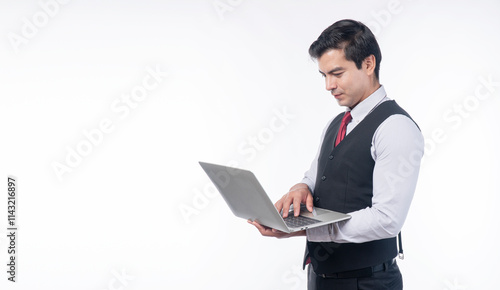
(397, 148)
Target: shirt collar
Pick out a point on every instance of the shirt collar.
(367, 105)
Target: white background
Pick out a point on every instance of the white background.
(226, 72)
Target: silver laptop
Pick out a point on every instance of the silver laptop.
(247, 199)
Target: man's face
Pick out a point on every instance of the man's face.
(348, 84)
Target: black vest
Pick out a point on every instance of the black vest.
(344, 183)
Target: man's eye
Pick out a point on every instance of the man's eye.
(338, 75)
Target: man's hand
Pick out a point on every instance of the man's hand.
(269, 232)
(299, 193)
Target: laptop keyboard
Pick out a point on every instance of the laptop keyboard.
(300, 221)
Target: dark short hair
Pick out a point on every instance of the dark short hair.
(355, 38)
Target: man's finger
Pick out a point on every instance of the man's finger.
(259, 227)
(279, 205)
(296, 206)
(265, 231)
(309, 202)
(286, 206)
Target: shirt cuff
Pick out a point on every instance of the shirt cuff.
(320, 234)
(309, 184)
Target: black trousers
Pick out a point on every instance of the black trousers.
(389, 278)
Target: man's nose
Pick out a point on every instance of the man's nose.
(331, 83)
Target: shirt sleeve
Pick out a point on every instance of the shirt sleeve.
(397, 148)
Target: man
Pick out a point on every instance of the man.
(367, 166)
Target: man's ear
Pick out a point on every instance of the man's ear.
(369, 64)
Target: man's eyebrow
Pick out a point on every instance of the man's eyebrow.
(333, 70)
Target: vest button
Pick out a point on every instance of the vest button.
(330, 157)
(317, 198)
(323, 177)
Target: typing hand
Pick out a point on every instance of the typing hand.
(298, 194)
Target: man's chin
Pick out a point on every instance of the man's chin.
(342, 103)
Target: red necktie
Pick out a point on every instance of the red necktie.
(343, 127)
